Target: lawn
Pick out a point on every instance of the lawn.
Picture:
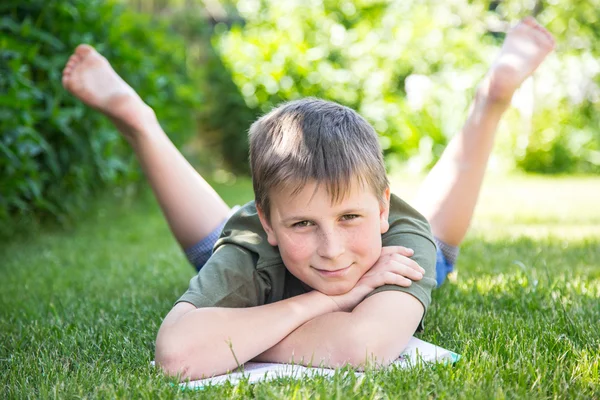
(80, 307)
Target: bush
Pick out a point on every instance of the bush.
(54, 151)
(224, 117)
(410, 68)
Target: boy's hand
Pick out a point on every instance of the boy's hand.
(394, 267)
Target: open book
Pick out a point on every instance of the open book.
(416, 351)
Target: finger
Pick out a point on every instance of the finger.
(408, 262)
(397, 250)
(399, 268)
(409, 273)
(391, 278)
(385, 278)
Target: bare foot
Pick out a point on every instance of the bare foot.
(89, 76)
(525, 47)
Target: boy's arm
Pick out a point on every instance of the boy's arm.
(202, 342)
(197, 342)
(378, 329)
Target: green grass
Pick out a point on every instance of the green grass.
(80, 308)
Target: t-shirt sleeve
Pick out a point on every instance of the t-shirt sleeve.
(425, 256)
(228, 279)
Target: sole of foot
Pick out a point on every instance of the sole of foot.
(525, 47)
(90, 77)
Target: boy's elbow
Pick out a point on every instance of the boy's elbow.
(362, 356)
(173, 347)
(364, 349)
(186, 359)
(172, 357)
(177, 356)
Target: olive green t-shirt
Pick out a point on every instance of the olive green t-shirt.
(246, 271)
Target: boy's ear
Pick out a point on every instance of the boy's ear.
(267, 227)
(384, 211)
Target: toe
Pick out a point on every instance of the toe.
(546, 36)
(539, 28)
(71, 61)
(530, 21)
(83, 50)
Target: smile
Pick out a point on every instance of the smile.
(333, 274)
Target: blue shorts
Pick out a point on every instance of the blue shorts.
(199, 253)
(445, 260)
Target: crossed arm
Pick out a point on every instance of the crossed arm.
(311, 328)
(377, 330)
(196, 343)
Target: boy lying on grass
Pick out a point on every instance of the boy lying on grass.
(326, 266)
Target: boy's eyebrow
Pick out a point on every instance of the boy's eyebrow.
(353, 210)
(357, 210)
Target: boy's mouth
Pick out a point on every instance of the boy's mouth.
(333, 273)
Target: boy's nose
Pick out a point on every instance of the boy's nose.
(331, 245)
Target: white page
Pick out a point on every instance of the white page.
(416, 350)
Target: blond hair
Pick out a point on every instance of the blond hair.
(314, 139)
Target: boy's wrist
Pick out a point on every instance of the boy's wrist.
(329, 305)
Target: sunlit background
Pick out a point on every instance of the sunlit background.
(80, 303)
(209, 68)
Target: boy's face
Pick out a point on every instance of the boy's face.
(327, 246)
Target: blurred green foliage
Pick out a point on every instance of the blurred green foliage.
(410, 68)
(54, 151)
(224, 117)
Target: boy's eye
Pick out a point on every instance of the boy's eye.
(302, 224)
(349, 217)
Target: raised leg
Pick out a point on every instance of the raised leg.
(448, 196)
(191, 206)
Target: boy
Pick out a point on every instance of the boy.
(326, 267)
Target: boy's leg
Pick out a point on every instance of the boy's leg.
(191, 206)
(448, 196)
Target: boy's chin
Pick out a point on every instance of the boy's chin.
(336, 289)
